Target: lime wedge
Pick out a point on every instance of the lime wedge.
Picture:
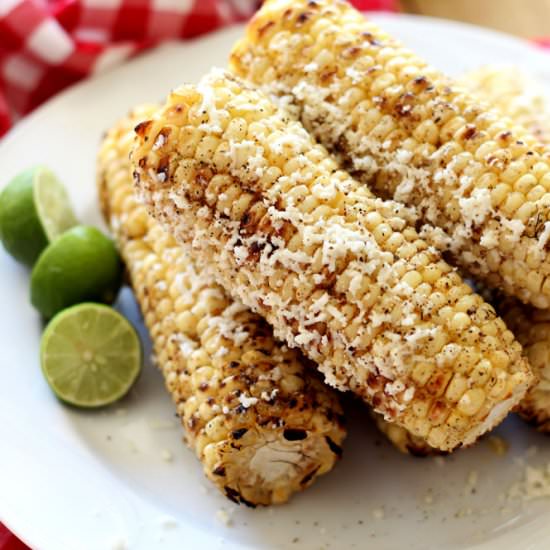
(52, 203)
(79, 266)
(34, 210)
(90, 355)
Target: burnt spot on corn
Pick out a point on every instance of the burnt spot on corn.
(336, 449)
(470, 132)
(308, 477)
(247, 502)
(264, 28)
(294, 434)
(163, 169)
(325, 76)
(352, 51)
(143, 128)
(232, 494)
(237, 434)
(303, 18)
(219, 471)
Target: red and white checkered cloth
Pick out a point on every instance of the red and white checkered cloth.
(46, 45)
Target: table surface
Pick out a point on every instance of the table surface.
(530, 19)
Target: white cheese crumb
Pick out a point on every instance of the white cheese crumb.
(222, 351)
(241, 254)
(167, 522)
(223, 517)
(476, 207)
(471, 482)
(498, 445)
(544, 236)
(535, 484)
(269, 396)
(225, 409)
(119, 544)
(489, 238)
(247, 401)
(167, 455)
(159, 142)
(515, 228)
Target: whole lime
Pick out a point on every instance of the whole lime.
(80, 265)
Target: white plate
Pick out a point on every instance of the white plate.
(71, 479)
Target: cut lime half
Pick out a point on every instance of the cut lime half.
(90, 355)
(34, 210)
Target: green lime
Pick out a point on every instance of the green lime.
(34, 210)
(90, 355)
(81, 265)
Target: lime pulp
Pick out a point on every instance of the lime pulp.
(90, 355)
(34, 210)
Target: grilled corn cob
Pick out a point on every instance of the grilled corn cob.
(336, 272)
(258, 418)
(518, 97)
(406, 131)
(514, 94)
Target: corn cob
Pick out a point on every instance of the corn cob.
(336, 272)
(406, 131)
(514, 94)
(258, 418)
(519, 98)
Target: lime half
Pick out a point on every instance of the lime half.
(90, 355)
(79, 266)
(34, 210)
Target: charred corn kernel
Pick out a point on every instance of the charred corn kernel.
(260, 421)
(515, 94)
(414, 136)
(396, 330)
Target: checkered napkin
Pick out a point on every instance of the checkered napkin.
(46, 45)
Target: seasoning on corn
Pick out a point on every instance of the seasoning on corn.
(521, 99)
(403, 129)
(258, 418)
(515, 94)
(336, 272)
(531, 327)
